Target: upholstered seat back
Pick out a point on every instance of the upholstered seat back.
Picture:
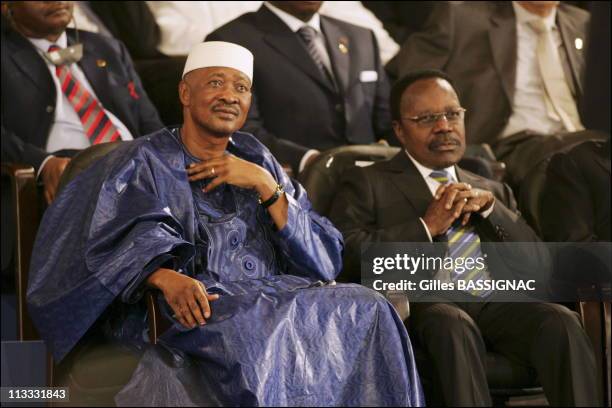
(321, 178)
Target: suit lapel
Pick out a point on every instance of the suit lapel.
(569, 34)
(405, 176)
(28, 60)
(97, 76)
(466, 177)
(503, 43)
(335, 39)
(282, 39)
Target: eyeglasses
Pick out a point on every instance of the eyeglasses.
(451, 116)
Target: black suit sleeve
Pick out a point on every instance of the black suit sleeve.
(354, 213)
(148, 120)
(15, 150)
(505, 222)
(381, 119)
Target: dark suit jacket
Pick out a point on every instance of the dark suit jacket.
(476, 44)
(576, 197)
(383, 203)
(294, 108)
(29, 95)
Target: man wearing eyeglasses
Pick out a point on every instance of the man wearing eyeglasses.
(421, 195)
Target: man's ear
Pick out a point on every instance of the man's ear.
(399, 132)
(184, 93)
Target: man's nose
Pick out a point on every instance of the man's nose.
(442, 125)
(229, 96)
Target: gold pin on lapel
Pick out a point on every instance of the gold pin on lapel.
(578, 43)
(101, 63)
(343, 45)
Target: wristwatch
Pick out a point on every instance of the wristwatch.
(277, 193)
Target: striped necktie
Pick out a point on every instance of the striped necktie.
(96, 124)
(308, 35)
(463, 242)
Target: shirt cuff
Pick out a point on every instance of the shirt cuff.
(305, 158)
(426, 230)
(42, 165)
(488, 212)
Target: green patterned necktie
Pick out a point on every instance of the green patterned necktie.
(463, 242)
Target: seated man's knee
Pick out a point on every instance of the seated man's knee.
(558, 321)
(446, 321)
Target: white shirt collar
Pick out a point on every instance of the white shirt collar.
(425, 171)
(293, 22)
(43, 44)
(524, 17)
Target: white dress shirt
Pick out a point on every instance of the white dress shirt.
(67, 131)
(184, 24)
(529, 110)
(433, 186)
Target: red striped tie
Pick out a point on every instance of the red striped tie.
(97, 125)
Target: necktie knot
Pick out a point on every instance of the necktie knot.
(54, 47)
(307, 33)
(540, 26)
(441, 176)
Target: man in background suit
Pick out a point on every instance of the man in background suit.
(39, 118)
(420, 195)
(519, 71)
(318, 81)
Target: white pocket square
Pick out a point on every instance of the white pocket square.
(368, 76)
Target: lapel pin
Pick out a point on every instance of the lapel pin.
(578, 43)
(101, 63)
(343, 45)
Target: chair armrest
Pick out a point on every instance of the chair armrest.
(399, 300)
(26, 213)
(594, 315)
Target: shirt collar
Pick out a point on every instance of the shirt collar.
(524, 17)
(425, 171)
(293, 22)
(43, 44)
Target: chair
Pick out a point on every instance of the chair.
(94, 371)
(508, 381)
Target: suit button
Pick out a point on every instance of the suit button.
(339, 108)
(50, 109)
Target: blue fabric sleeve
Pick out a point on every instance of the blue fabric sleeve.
(311, 245)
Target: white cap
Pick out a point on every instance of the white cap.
(220, 54)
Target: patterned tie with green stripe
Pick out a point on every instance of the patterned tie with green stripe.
(463, 242)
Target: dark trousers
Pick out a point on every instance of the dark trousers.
(523, 151)
(547, 337)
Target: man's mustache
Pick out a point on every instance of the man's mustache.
(221, 107)
(445, 139)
